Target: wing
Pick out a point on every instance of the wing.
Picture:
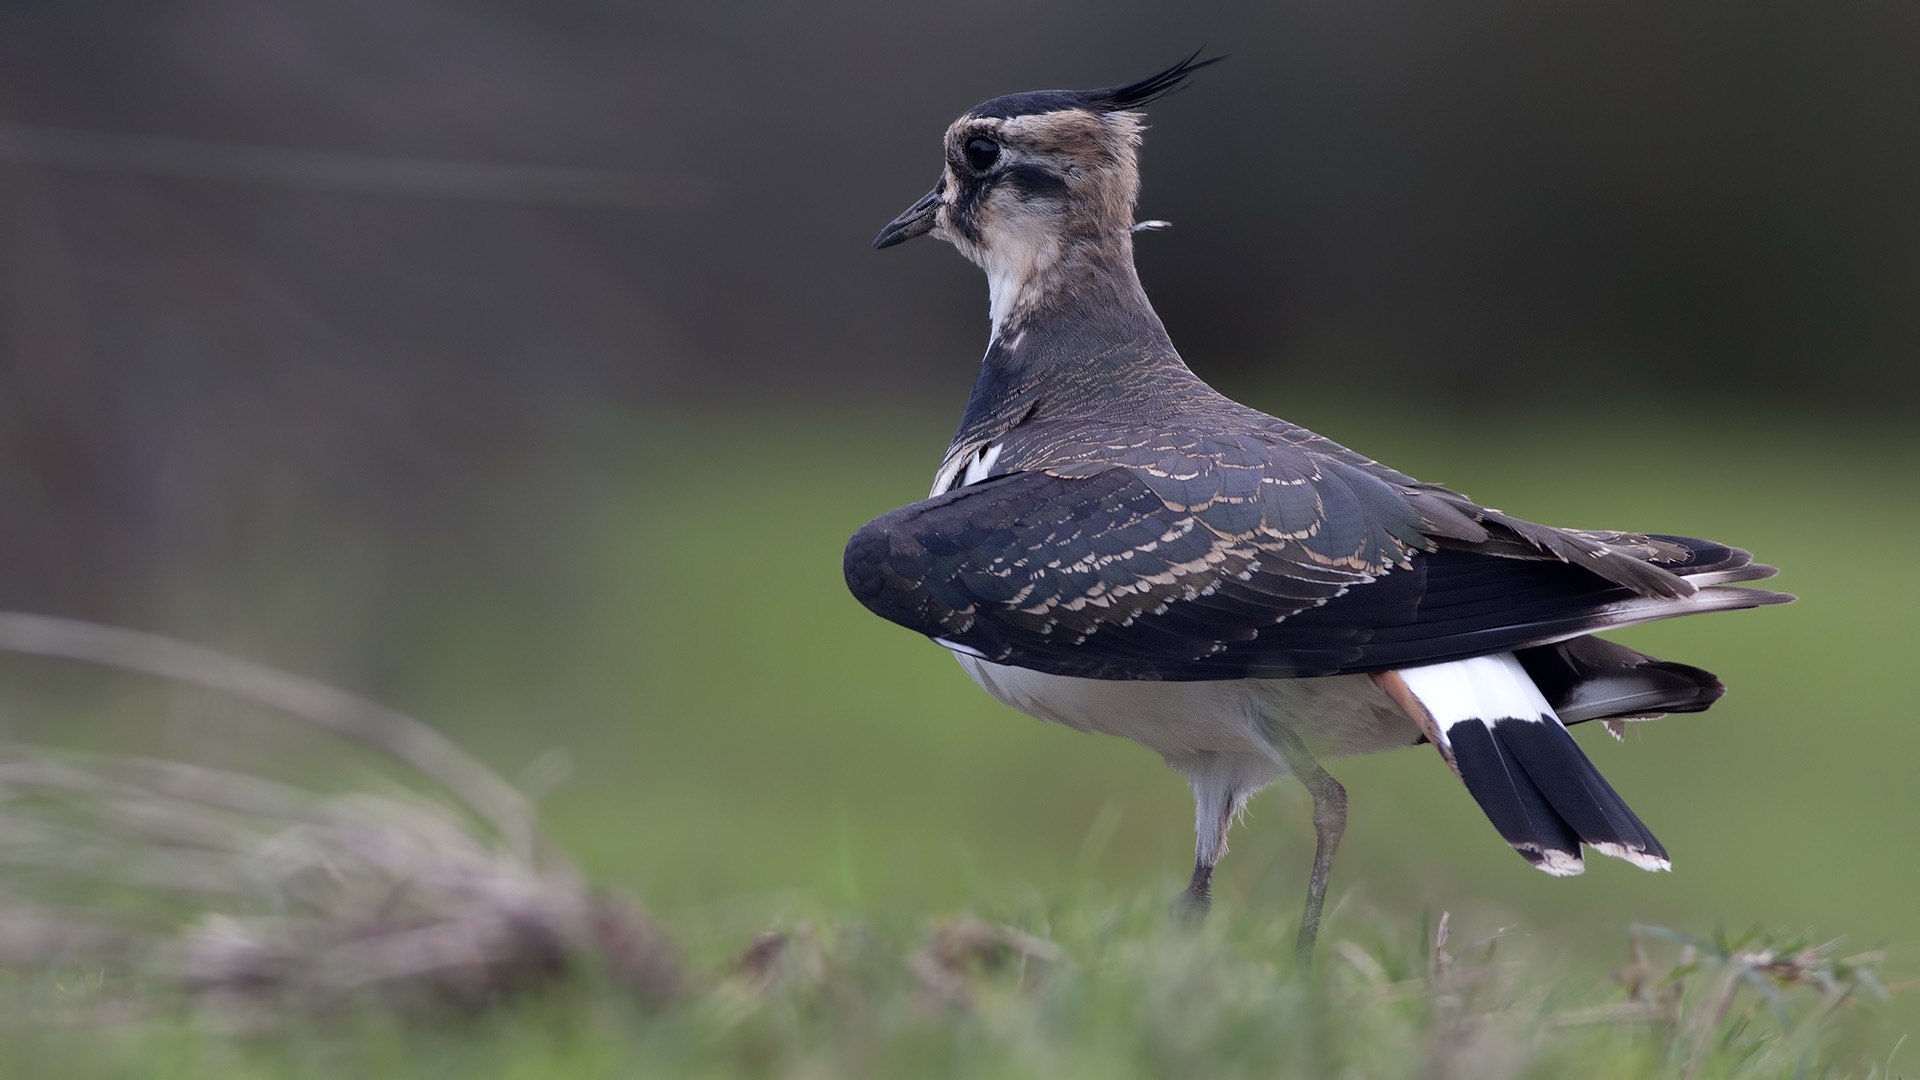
(1296, 565)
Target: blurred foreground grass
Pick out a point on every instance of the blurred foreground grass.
(1112, 991)
(751, 750)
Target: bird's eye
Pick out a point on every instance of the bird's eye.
(982, 153)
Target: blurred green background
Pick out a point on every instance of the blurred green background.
(526, 368)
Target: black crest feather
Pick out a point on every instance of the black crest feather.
(1150, 89)
(1109, 99)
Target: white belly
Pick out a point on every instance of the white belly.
(1334, 716)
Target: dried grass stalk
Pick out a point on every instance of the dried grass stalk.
(268, 901)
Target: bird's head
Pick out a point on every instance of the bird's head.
(1031, 178)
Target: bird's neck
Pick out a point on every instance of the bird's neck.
(1073, 334)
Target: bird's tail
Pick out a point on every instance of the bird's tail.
(1497, 730)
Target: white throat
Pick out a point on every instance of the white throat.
(1016, 265)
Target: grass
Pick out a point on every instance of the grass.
(1111, 990)
(751, 754)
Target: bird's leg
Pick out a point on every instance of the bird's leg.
(1329, 822)
(1214, 805)
(1192, 905)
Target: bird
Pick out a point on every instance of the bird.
(1113, 545)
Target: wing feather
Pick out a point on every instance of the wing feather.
(1234, 563)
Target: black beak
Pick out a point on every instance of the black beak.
(917, 221)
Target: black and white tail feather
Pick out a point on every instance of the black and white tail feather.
(1492, 723)
(1500, 720)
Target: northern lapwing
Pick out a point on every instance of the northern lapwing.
(1114, 545)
